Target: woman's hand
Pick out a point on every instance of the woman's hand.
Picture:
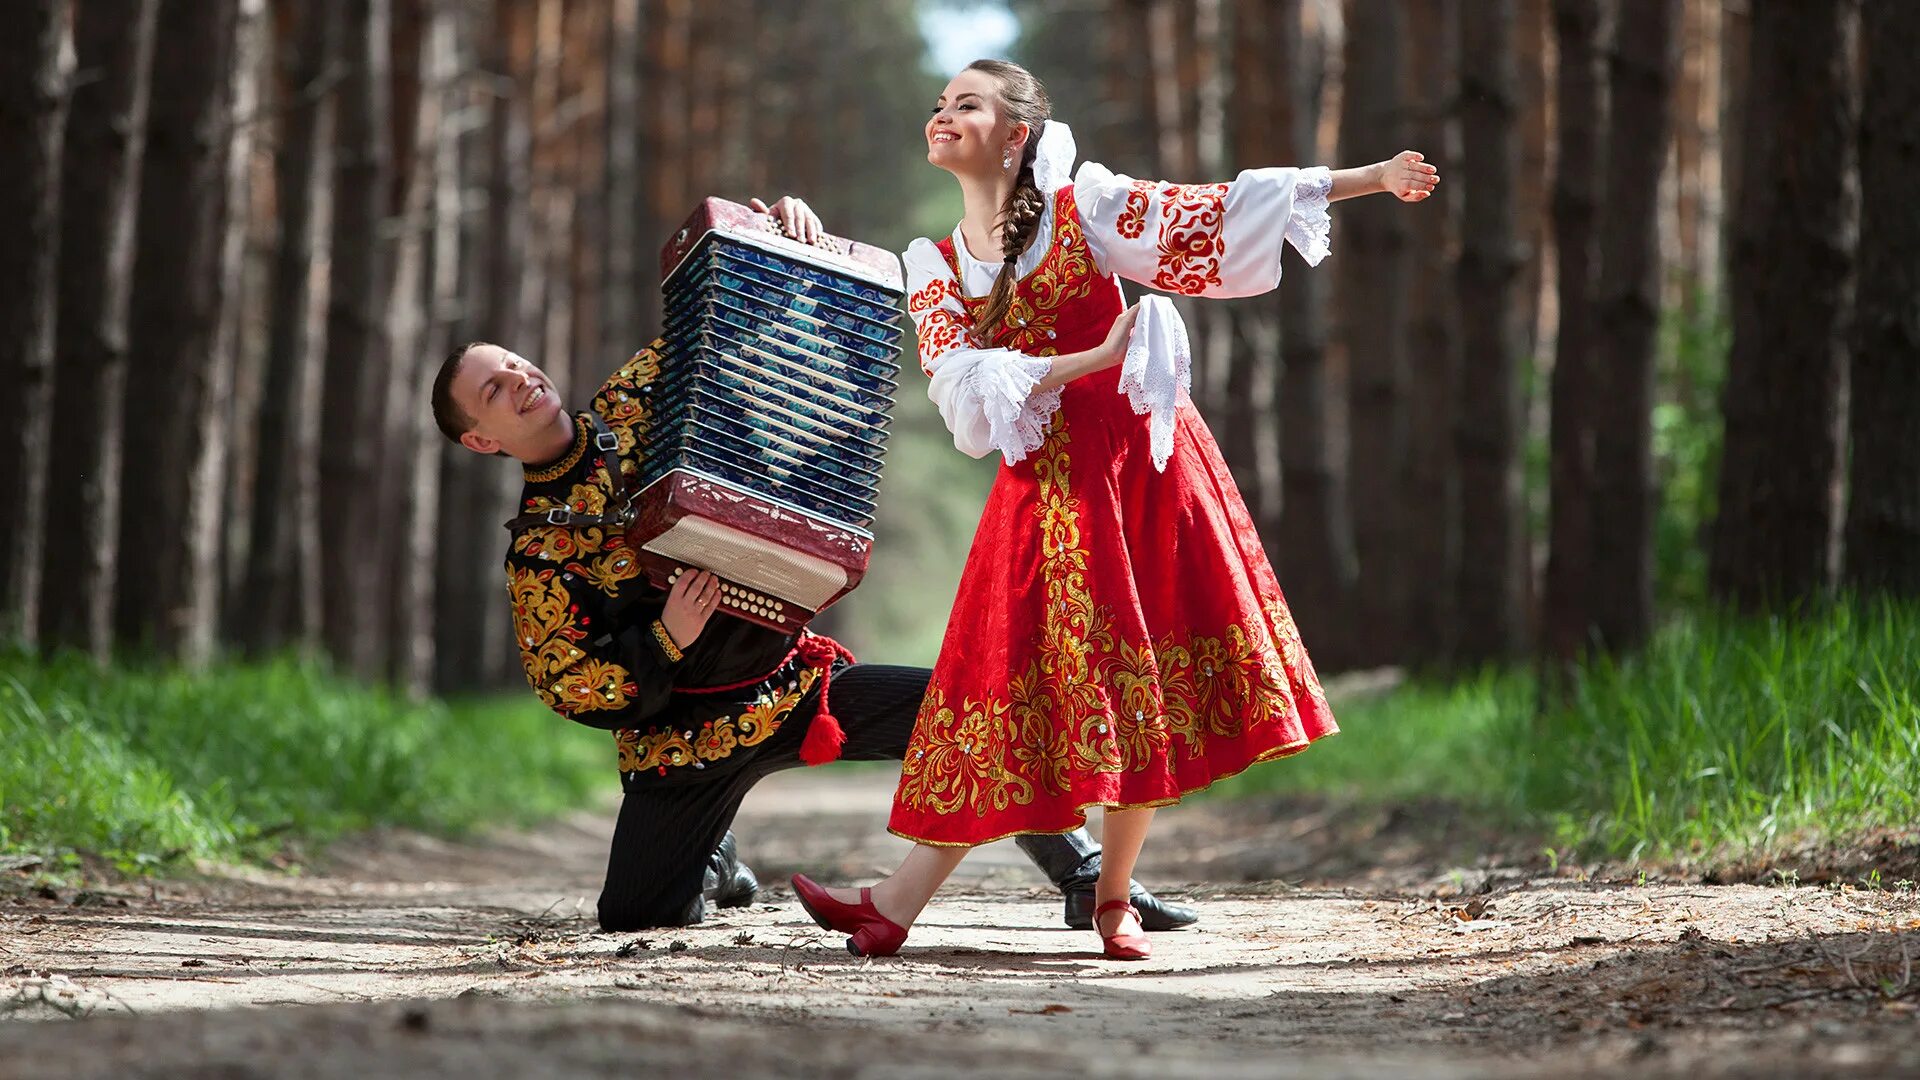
(690, 604)
(1114, 348)
(1063, 369)
(795, 217)
(1408, 177)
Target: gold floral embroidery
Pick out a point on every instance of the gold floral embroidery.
(717, 738)
(548, 628)
(607, 572)
(1089, 702)
(1065, 275)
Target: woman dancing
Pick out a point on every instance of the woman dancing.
(1119, 639)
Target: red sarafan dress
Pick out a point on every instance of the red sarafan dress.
(1119, 638)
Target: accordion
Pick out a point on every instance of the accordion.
(768, 420)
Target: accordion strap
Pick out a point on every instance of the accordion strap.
(619, 497)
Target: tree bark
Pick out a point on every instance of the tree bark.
(221, 494)
(350, 435)
(305, 39)
(1775, 540)
(1372, 290)
(1883, 511)
(620, 323)
(173, 393)
(1642, 71)
(1571, 587)
(424, 271)
(1430, 497)
(1317, 560)
(1531, 212)
(1260, 137)
(105, 137)
(1488, 586)
(36, 60)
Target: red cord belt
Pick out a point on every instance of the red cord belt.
(824, 734)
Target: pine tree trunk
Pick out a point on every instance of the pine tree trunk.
(1487, 425)
(415, 469)
(620, 312)
(303, 45)
(1372, 292)
(220, 503)
(1317, 562)
(1571, 585)
(1883, 512)
(1530, 211)
(1430, 497)
(1736, 48)
(350, 428)
(1642, 71)
(36, 60)
(106, 133)
(176, 315)
(1792, 284)
(1260, 138)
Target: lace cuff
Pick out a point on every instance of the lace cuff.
(1157, 372)
(1309, 225)
(1003, 383)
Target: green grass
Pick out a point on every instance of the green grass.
(1726, 735)
(146, 766)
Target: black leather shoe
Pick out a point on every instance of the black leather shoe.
(1155, 913)
(742, 889)
(727, 882)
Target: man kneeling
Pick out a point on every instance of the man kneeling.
(701, 708)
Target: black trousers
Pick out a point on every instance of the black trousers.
(667, 828)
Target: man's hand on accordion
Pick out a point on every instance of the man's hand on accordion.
(690, 604)
(799, 220)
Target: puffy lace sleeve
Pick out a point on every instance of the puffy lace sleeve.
(985, 396)
(1215, 240)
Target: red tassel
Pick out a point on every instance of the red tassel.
(824, 737)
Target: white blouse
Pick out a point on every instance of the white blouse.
(1215, 240)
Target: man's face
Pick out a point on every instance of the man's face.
(512, 403)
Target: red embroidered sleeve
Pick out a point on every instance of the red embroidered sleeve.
(935, 319)
(1193, 239)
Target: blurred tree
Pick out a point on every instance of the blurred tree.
(1431, 492)
(1792, 285)
(174, 394)
(36, 63)
(1372, 290)
(1627, 305)
(105, 136)
(274, 605)
(353, 569)
(1883, 515)
(1487, 603)
(1567, 611)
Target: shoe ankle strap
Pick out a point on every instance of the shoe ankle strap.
(1116, 905)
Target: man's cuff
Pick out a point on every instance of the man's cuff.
(668, 649)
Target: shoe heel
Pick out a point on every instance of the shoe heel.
(874, 941)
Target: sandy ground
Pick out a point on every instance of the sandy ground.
(1332, 945)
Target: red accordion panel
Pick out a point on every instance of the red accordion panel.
(749, 225)
(779, 566)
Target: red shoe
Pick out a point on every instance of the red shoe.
(872, 934)
(1122, 946)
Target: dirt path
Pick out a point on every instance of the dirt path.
(423, 958)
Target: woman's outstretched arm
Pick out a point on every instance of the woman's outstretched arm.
(1406, 176)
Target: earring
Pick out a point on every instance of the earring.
(1006, 160)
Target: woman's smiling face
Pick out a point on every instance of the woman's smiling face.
(966, 133)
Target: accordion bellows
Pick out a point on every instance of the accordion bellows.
(770, 416)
